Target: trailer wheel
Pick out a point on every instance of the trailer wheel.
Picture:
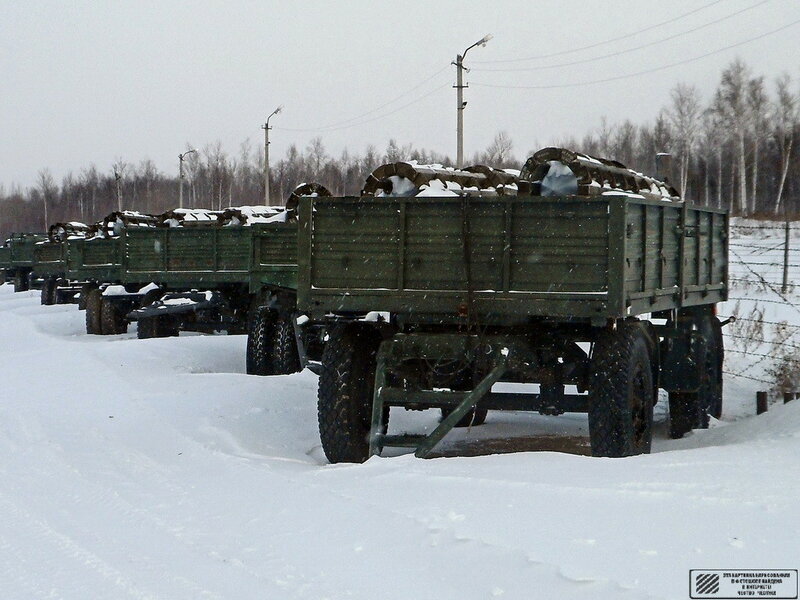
(714, 360)
(259, 336)
(346, 386)
(146, 328)
(684, 411)
(85, 289)
(112, 321)
(21, 282)
(285, 357)
(621, 393)
(94, 300)
(62, 298)
(160, 326)
(691, 410)
(719, 348)
(48, 292)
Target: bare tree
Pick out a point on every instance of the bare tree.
(498, 153)
(712, 145)
(684, 115)
(47, 188)
(785, 116)
(730, 103)
(758, 104)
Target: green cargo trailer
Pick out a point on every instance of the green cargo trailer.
(95, 265)
(234, 278)
(50, 265)
(20, 258)
(5, 263)
(430, 301)
(96, 260)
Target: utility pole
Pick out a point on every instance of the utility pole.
(785, 286)
(118, 177)
(180, 174)
(266, 129)
(460, 104)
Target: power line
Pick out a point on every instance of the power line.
(629, 50)
(379, 117)
(636, 74)
(348, 122)
(608, 41)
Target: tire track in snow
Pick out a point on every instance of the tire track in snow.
(46, 538)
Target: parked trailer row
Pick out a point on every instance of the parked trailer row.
(579, 275)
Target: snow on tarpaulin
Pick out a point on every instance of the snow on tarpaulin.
(557, 172)
(404, 179)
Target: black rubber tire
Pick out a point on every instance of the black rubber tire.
(112, 321)
(718, 350)
(346, 386)
(710, 392)
(684, 412)
(259, 338)
(285, 357)
(21, 282)
(94, 300)
(62, 298)
(169, 325)
(48, 292)
(160, 326)
(691, 410)
(152, 327)
(621, 393)
(147, 328)
(85, 289)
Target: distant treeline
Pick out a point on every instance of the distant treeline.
(734, 150)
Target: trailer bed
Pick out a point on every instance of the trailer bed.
(509, 258)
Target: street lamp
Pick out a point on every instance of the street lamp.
(266, 129)
(460, 104)
(180, 173)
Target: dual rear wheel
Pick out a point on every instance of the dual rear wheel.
(271, 343)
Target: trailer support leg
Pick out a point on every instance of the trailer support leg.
(466, 405)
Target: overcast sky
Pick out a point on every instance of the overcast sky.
(91, 82)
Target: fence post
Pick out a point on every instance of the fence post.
(761, 402)
(785, 285)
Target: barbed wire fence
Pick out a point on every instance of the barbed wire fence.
(753, 264)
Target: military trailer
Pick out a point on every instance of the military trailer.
(50, 265)
(50, 262)
(592, 276)
(19, 258)
(5, 263)
(202, 275)
(236, 272)
(95, 265)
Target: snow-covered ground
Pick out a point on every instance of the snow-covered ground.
(158, 469)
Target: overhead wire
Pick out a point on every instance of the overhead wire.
(627, 36)
(628, 50)
(351, 122)
(638, 73)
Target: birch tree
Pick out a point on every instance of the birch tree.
(785, 116)
(730, 103)
(47, 188)
(684, 115)
(757, 103)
